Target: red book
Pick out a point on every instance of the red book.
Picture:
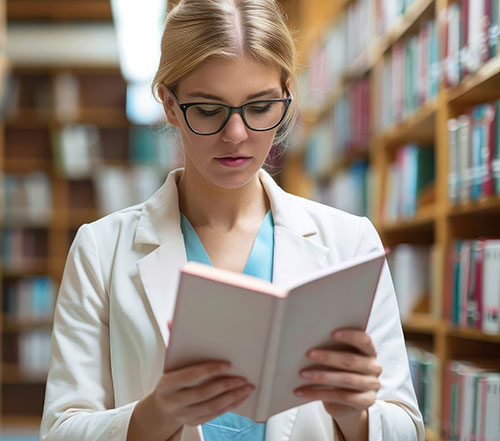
(464, 38)
(478, 292)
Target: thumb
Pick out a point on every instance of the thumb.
(169, 324)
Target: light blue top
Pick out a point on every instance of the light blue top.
(229, 426)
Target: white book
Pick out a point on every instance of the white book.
(453, 160)
(491, 287)
(492, 409)
(265, 330)
(463, 157)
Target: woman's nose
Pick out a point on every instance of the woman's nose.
(235, 130)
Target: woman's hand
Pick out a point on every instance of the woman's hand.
(346, 381)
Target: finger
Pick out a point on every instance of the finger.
(216, 405)
(340, 379)
(356, 400)
(210, 417)
(190, 396)
(358, 339)
(193, 375)
(169, 324)
(346, 361)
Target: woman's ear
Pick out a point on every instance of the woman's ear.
(168, 104)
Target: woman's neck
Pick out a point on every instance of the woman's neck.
(207, 205)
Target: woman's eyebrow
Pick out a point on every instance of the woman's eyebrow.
(208, 96)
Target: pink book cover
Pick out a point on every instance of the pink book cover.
(265, 330)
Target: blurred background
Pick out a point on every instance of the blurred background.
(399, 122)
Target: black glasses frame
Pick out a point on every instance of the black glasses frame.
(185, 106)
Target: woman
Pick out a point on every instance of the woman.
(224, 79)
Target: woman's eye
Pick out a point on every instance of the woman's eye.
(260, 109)
(208, 111)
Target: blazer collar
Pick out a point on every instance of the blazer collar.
(160, 218)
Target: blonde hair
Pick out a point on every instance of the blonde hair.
(196, 30)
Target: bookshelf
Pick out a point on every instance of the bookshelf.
(437, 222)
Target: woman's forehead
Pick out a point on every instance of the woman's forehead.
(238, 76)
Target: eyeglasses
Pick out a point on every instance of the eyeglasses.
(210, 118)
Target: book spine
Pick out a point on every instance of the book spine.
(267, 374)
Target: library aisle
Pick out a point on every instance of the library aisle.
(399, 122)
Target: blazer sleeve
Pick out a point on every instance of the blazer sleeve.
(79, 399)
(395, 415)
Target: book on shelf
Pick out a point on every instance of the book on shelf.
(474, 156)
(471, 400)
(473, 299)
(27, 198)
(471, 29)
(34, 354)
(22, 247)
(66, 97)
(410, 181)
(410, 74)
(350, 189)
(411, 274)
(424, 368)
(76, 149)
(267, 321)
(29, 299)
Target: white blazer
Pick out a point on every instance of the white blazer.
(118, 292)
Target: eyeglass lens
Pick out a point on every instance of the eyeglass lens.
(209, 118)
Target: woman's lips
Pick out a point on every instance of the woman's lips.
(233, 161)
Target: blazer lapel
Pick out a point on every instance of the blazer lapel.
(159, 226)
(297, 253)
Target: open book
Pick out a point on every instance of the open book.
(265, 330)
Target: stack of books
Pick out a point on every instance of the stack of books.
(474, 154)
(473, 299)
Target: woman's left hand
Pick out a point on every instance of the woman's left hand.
(346, 382)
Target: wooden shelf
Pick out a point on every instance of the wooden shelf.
(53, 10)
(35, 267)
(12, 375)
(486, 205)
(10, 325)
(418, 127)
(472, 334)
(21, 421)
(421, 324)
(431, 435)
(424, 219)
(39, 118)
(482, 86)
(26, 165)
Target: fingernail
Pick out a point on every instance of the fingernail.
(338, 334)
(307, 374)
(299, 393)
(313, 354)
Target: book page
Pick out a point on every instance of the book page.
(313, 311)
(217, 321)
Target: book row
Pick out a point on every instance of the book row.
(23, 247)
(424, 368)
(63, 95)
(345, 131)
(350, 189)
(410, 182)
(473, 299)
(26, 198)
(471, 401)
(474, 154)
(79, 149)
(29, 299)
(409, 76)
(413, 270)
(471, 34)
(34, 354)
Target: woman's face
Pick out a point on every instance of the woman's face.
(232, 157)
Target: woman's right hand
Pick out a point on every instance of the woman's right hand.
(189, 396)
(199, 393)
